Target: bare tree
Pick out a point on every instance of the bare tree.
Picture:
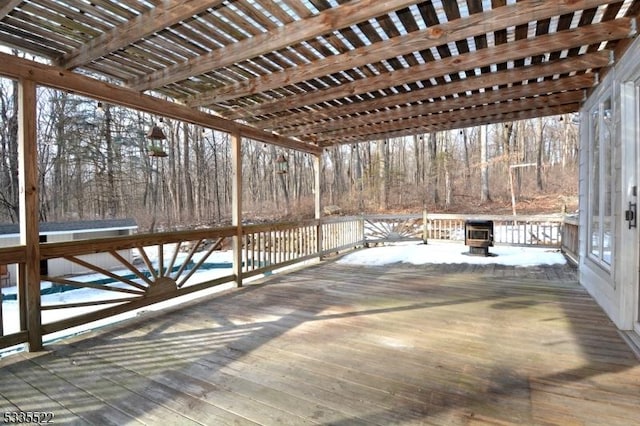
(484, 165)
(9, 149)
(383, 153)
(540, 151)
(98, 165)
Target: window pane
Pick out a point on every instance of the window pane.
(594, 187)
(607, 177)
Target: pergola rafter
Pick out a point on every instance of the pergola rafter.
(471, 84)
(431, 37)
(8, 7)
(426, 108)
(443, 125)
(481, 58)
(164, 15)
(293, 33)
(537, 102)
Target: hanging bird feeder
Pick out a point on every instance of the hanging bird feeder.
(282, 166)
(157, 136)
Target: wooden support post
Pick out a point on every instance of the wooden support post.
(317, 167)
(1, 318)
(424, 226)
(29, 272)
(236, 207)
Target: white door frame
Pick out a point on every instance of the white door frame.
(629, 277)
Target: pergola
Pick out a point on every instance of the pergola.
(307, 74)
(326, 72)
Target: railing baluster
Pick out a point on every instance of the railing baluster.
(255, 259)
(246, 251)
(174, 256)
(288, 244)
(161, 260)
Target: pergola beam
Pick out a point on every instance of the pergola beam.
(14, 67)
(158, 18)
(538, 102)
(8, 7)
(520, 49)
(471, 84)
(433, 36)
(335, 18)
(577, 82)
(463, 123)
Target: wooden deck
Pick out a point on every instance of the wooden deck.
(336, 344)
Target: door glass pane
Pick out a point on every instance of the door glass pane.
(594, 187)
(608, 182)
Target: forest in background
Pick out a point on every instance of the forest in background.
(94, 163)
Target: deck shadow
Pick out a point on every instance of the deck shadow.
(332, 344)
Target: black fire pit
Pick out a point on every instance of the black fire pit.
(478, 235)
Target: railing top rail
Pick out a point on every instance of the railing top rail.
(572, 220)
(278, 226)
(14, 254)
(52, 250)
(69, 248)
(503, 218)
(340, 219)
(469, 216)
(402, 216)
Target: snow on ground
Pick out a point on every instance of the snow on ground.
(418, 254)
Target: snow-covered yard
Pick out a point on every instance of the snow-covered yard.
(418, 253)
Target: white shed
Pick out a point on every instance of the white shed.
(70, 231)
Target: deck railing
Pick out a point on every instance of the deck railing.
(272, 246)
(542, 231)
(570, 241)
(112, 276)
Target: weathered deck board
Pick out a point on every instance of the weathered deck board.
(335, 344)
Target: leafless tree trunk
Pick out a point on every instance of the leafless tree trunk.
(186, 170)
(433, 168)
(216, 188)
(9, 115)
(383, 151)
(467, 164)
(112, 197)
(448, 188)
(539, 156)
(484, 166)
(418, 149)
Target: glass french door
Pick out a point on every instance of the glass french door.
(628, 277)
(631, 138)
(635, 138)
